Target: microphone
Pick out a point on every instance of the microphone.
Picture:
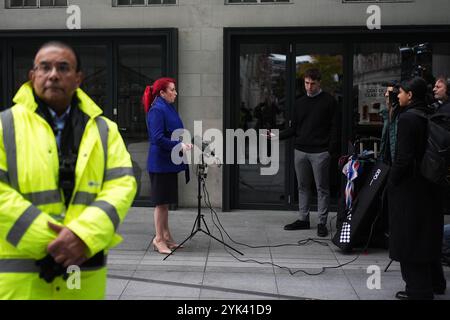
(203, 145)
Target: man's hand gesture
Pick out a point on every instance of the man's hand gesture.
(269, 135)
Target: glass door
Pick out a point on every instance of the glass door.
(94, 64)
(23, 56)
(271, 80)
(262, 105)
(138, 65)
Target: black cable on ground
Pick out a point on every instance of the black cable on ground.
(220, 227)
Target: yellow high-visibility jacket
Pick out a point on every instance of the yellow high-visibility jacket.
(29, 197)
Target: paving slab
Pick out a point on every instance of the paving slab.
(205, 270)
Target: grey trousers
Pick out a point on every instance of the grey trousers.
(307, 167)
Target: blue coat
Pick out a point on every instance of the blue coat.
(162, 120)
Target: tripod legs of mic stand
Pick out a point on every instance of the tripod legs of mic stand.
(207, 232)
(199, 219)
(387, 267)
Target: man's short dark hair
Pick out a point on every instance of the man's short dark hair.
(313, 74)
(62, 45)
(390, 83)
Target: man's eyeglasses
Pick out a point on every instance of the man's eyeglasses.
(46, 68)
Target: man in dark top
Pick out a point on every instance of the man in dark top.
(441, 94)
(315, 129)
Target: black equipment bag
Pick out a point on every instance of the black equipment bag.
(354, 225)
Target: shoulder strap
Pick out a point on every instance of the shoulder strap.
(440, 115)
(419, 113)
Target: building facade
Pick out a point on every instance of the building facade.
(239, 64)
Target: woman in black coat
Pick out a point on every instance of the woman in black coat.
(415, 208)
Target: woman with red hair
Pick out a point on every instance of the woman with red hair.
(162, 121)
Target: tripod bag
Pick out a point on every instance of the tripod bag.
(355, 222)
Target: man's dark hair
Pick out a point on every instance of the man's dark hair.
(313, 74)
(390, 83)
(62, 45)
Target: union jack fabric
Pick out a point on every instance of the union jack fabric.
(351, 170)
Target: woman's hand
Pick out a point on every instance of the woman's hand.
(186, 146)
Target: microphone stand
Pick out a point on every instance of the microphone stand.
(201, 177)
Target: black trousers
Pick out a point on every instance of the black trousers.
(422, 279)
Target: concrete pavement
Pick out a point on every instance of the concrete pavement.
(203, 269)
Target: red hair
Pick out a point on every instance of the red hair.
(151, 92)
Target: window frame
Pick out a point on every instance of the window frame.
(376, 1)
(258, 2)
(146, 4)
(37, 6)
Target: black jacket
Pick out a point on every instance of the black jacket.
(445, 107)
(415, 207)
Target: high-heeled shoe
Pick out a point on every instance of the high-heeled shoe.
(172, 245)
(161, 247)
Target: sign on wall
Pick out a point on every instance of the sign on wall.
(371, 100)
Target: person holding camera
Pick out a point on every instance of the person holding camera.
(162, 121)
(66, 183)
(415, 208)
(390, 121)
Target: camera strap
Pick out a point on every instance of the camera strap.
(70, 139)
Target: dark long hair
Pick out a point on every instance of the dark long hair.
(418, 87)
(151, 92)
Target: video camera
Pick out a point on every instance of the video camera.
(416, 61)
(393, 97)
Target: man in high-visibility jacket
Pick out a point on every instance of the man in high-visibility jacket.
(66, 183)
